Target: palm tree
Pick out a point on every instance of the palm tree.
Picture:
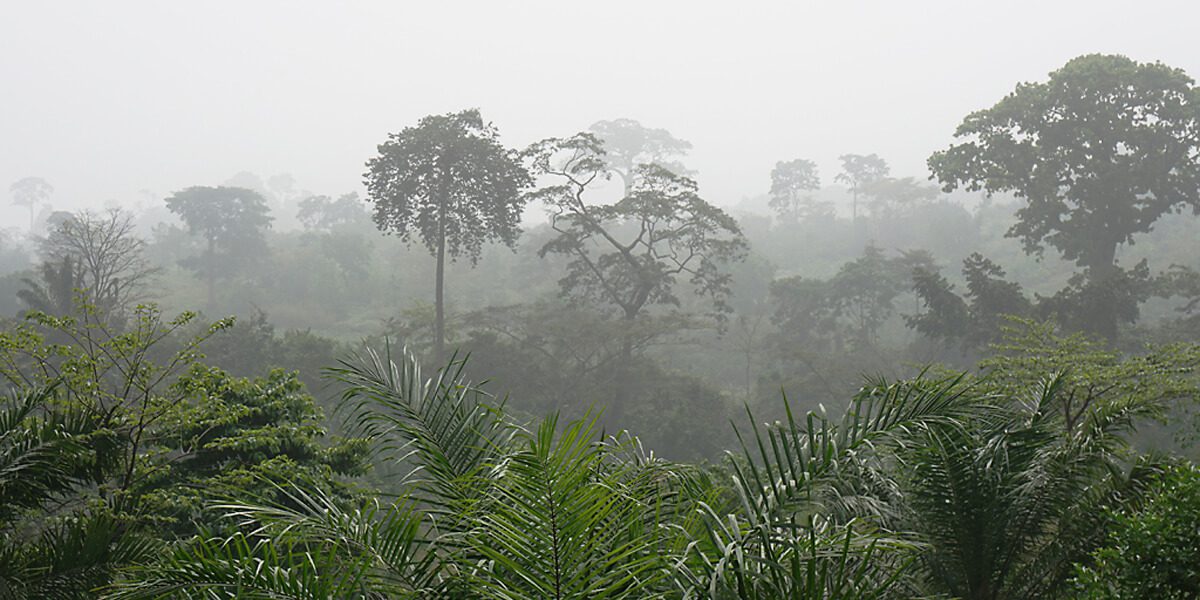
(55, 294)
(47, 551)
(1005, 505)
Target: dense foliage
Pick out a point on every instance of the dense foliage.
(599, 413)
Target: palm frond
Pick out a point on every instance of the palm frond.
(787, 481)
(562, 525)
(441, 429)
(398, 542)
(244, 567)
(41, 452)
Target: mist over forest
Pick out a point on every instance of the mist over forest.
(875, 300)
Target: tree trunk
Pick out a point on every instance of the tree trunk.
(1101, 272)
(439, 322)
(622, 384)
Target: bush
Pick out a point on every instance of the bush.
(1154, 552)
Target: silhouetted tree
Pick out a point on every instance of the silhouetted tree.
(632, 253)
(450, 181)
(975, 319)
(1098, 152)
(54, 291)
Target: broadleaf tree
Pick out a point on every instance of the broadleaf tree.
(859, 171)
(450, 182)
(792, 184)
(1098, 152)
(633, 253)
(231, 220)
(628, 143)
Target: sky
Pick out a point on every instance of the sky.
(125, 101)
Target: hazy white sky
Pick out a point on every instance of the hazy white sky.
(106, 99)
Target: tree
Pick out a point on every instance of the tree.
(791, 184)
(978, 317)
(449, 181)
(30, 192)
(231, 220)
(889, 194)
(230, 434)
(628, 144)
(113, 271)
(322, 213)
(54, 294)
(859, 171)
(631, 254)
(1098, 153)
(1005, 505)
(864, 291)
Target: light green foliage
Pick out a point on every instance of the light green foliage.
(50, 548)
(1153, 551)
(119, 378)
(231, 435)
(1165, 377)
(118, 430)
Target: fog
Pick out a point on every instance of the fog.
(129, 101)
(600, 300)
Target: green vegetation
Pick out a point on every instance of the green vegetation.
(642, 395)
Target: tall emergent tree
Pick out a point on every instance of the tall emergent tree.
(30, 192)
(792, 184)
(858, 172)
(631, 254)
(450, 181)
(628, 144)
(1098, 152)
(231, 220)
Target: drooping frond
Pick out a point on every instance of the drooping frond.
(440, 429)
(565, 525)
